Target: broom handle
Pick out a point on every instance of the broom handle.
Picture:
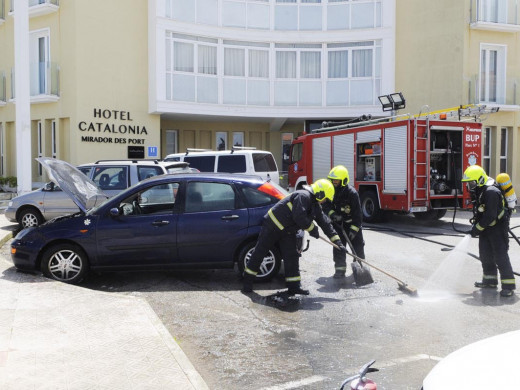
(363, 261)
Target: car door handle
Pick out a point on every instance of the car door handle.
(160, 223)
(229, 217)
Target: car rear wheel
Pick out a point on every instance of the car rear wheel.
(269, 267)
(65, 262)
(30, 217)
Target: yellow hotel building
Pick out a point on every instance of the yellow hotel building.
(117, 79)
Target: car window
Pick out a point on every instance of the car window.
(264, 162)
(158, 199)
(255, 198)
(168, 159)
(232, 164)
(111, 178)
(202, 163)
(145, 172)
(203, 197)
(85, 170)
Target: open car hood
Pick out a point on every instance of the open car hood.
(71, 181)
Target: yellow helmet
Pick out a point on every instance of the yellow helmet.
(322, 189)
(339, 172)
(475, 173)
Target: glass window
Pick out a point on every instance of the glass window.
(296, 152)
(492, 74)
(310, 64)
(362, 63)
(232, 164)
(110, 178)
(234, 62)
(285, 64)
(145, 172)
(207, 61)
(255, 198)
(264, 162)
(258, 63)
(204, 197)
(503, 149)
(202, 163)
(183, 56)
(338, 64)
(159, 199)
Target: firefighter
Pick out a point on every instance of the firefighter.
(491, 224)
(281, 223)
(345, 214)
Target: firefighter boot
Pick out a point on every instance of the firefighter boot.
(294, 289)
(339, 274)
(506, 292)
(247, 286)
(488, 282)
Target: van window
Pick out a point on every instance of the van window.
(202, 163)
(232, 164)
(264, 162)
(144, 172)
(168, 159)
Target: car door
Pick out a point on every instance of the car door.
(144, 234)
(213, 223)
(57, 203)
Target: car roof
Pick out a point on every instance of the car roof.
(209, 176)
(217, 152)
(122, 162)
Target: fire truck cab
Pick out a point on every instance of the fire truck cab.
(408, 165)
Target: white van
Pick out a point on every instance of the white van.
(236, 160)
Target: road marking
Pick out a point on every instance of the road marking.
(406, 359)
(296, 384)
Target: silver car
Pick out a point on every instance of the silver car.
(111, 176)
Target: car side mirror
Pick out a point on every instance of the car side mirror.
(49, 186)
(114, 212)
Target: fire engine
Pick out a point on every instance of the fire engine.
(403, 163)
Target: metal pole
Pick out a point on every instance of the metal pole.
(22, 96)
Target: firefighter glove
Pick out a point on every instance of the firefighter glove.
(315, 232)
(340, 245)
(337, 218)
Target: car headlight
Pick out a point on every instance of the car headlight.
(10, 204)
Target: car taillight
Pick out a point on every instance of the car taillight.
(269, 189)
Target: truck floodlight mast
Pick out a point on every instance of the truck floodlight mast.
(406, 163)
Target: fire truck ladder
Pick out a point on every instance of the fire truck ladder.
(421, 172)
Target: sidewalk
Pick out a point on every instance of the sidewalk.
(59, 336)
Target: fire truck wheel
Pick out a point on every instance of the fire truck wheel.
(370, 207)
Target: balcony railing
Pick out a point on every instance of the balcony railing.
(39, 7)
(3, 92)
(504, 97)
(45, 82)
(495, 15)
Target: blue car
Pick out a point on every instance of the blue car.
(186, 220)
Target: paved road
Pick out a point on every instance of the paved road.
(237, 341)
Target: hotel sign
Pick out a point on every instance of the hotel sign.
(102, 128)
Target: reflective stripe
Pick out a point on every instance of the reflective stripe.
(250, 272)
(293, 279)
(310, 227)
(479, 227)
(289, 204)
(492, 277)
(341, 268)
(334, 238)
(508, 281)
(275, 221)
(354, 227)
(331, 212)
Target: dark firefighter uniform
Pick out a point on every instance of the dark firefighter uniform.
(491, 225)
(345, 211)
(281, 223)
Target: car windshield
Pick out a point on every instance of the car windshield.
(94, 209)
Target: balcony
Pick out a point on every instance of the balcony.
(495, 15)
(2, 12)
(3, 93)
(506, 97)
(45, 82)
(39, 7)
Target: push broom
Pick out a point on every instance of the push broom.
(401, 285)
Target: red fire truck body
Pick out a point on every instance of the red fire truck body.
(411, 165)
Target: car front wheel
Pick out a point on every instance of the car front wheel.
(30, 217)
(269, 267)
(65, 262)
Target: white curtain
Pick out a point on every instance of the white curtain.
(234, 62)
(285, 64)
(362, 63)
(310, 64)
(207, 59)
(258, 63)
(338, 64)
(183, 56)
